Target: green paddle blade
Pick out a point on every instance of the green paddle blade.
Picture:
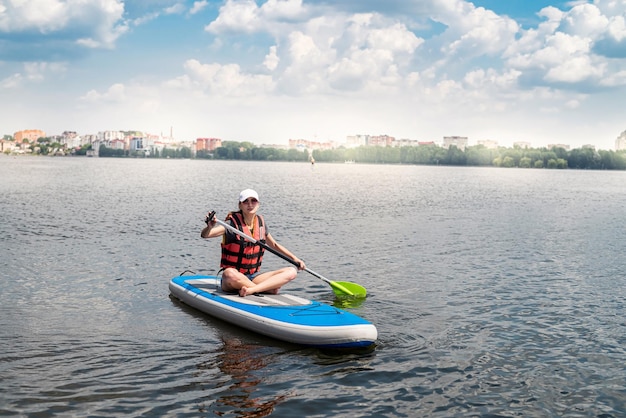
(348, 289)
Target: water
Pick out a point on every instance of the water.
(496, 292)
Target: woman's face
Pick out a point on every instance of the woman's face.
(249, 206)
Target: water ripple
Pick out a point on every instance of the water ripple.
(495, 292)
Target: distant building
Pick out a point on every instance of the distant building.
(488, 143)
(303, 144)
(521, 144)
(380, 141)
(620, 142)
(7, 146)
(458, 141)
(110, 135)
(116, 144)
(405, 143)
(564, 146)
(137, 144)
(88, 139)
(353, 141)
(31, 135)
(208, 144)
(70, 139)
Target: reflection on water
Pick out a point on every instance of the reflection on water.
(348, 302)
(248, 367)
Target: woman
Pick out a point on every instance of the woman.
(241, 259)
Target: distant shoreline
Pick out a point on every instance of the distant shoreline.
(477, 156)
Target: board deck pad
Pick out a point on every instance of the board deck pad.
(263, 299)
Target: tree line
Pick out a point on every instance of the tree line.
(478, 155)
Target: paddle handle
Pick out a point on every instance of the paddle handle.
(265, 246)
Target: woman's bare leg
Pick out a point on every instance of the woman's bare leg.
(233, 281)
(269, 281)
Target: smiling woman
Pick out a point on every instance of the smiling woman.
(241, 258)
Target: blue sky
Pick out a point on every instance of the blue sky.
(544, 72)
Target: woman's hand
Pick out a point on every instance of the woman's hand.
(209, 219)
(301, 265)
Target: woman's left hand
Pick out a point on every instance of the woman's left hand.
(301, 265)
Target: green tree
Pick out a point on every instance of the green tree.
(525, 162)
(508, 162)
(584, 158)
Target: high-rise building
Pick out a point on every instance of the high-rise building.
(31, 135)
(620, 142)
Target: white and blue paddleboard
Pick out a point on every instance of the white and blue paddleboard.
(283, 316)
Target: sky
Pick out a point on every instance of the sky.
(266, 71)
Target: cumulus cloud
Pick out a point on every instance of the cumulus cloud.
(431, 54)
(115, 94)
(271, 59)
(479, 31)
(245, 16)
(221, 80)
(33, 72)
(585, 20)
(36, 71)
(236, 16)
(13, 81)
(198, 6)
(572, 47)
(324, 53)
(90, 23)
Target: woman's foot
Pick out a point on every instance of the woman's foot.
(245, 291)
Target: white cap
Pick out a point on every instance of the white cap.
(248, 193)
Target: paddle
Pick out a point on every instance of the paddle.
(339, 288)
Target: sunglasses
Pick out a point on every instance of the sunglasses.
(250, 200)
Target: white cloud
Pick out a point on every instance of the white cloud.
(319, 64)
(611, 7)
(116, 93)
(94, 23)
(283, 9)
(574, 70)
(221, 80)
(617, 28)
(33, 72)
(198, 6)
(394, 38)
(236, 16)
(585, 20)
(43, 15)
(271, 59)
(474, 31)
(175, 9)
(616, 79)
(37, 71)
(571, 47)
(245, 16)
(11, 82)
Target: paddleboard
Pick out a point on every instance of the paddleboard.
(283, 316)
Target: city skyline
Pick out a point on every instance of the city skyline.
(535, 71)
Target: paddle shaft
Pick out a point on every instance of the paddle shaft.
(268, 248)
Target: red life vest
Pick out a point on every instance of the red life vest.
(240, 253)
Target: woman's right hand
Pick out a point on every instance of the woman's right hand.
(209, 219)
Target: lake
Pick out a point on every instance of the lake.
(496, 292)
